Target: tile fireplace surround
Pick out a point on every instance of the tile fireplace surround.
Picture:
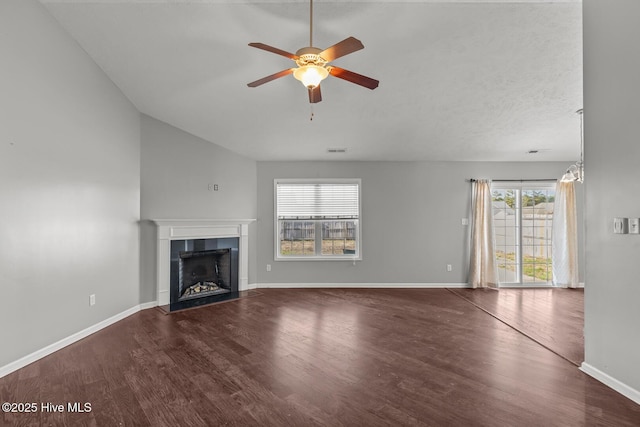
(185, 229)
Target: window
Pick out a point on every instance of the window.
(317, 219)
(522, 220)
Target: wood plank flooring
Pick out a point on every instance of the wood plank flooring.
(311, 357)
(552, 317)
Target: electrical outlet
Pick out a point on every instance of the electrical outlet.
(465, 221)
(92, 299)
(268, 267)
(215, 187)
(449, 267)
(210, 187)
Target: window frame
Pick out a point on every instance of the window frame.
(318, 227)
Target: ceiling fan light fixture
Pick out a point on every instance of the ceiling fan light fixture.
(310, 75)
(313, 64)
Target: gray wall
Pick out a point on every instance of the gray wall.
(69, 186)
(423, 201)
(612, 156)
(176, 171)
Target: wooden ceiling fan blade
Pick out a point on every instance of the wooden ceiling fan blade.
(271, 77)
(345, 47)
(314, 95)
(352, 77)
(274, 50)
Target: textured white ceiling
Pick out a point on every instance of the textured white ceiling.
(458, 80)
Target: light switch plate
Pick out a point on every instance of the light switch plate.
(634, 225)
(621, 225)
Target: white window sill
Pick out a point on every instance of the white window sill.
(317, 258)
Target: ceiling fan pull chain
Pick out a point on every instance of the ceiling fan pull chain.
(311, 117)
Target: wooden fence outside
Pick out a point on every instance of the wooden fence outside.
(306, 230)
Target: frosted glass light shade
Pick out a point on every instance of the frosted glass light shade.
(310, 75)
(574, 173)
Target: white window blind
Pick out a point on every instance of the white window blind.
(317, 200)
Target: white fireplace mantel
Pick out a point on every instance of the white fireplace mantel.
(185, 229)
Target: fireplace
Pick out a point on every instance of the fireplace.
(203, 271)
(200, 261)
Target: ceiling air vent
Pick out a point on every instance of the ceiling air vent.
(336, 150)
(538, 150)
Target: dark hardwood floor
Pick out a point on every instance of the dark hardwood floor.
(334, 357)
(552, 317)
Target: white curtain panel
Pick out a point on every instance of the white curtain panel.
(564, 238)
(483, 272)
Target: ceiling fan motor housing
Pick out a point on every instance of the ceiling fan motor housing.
(310, 56)
(311, 67)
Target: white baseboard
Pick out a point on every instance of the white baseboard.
(39, 354)
(360, 285)
(248, 287)
(611, 382)
(146, 305)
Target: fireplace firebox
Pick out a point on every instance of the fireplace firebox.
(203, 271)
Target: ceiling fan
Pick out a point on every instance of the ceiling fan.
(313, 64)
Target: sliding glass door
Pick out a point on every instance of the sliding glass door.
(522, 218)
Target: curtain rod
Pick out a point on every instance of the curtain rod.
(517, 180)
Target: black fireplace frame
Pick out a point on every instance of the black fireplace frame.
(202, 245)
